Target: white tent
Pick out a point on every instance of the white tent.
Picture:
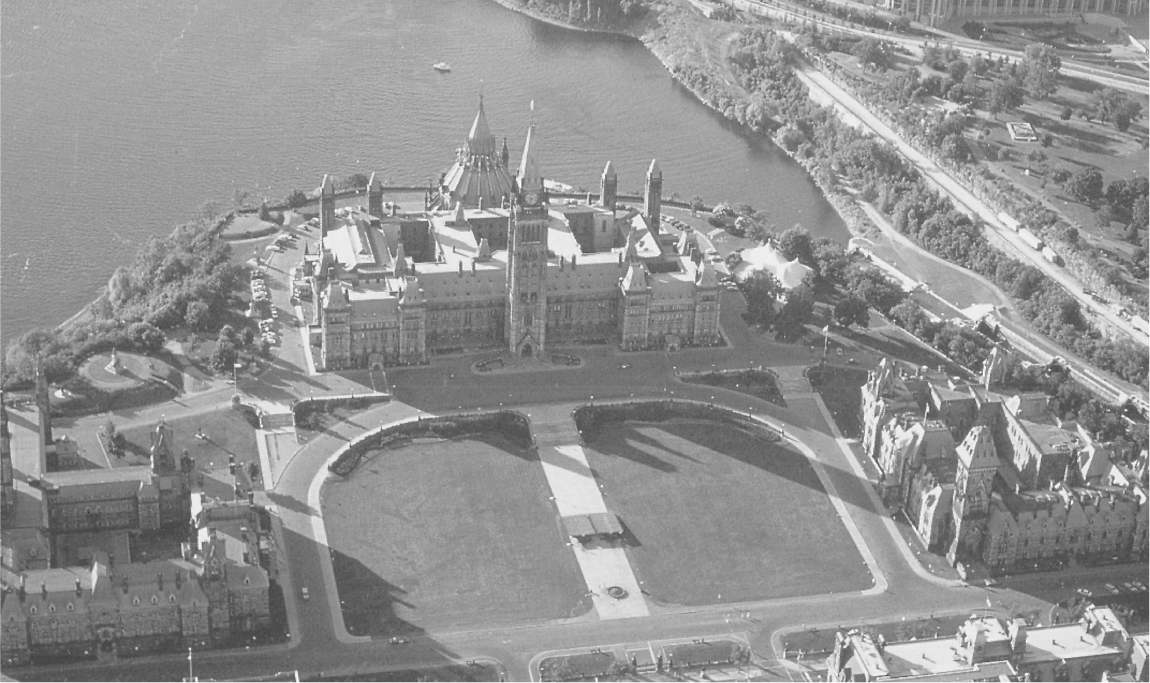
(790, 274)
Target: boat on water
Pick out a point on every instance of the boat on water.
(442, 67)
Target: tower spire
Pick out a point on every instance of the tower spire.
(529, 179)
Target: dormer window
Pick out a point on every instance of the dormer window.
(32, 610)
(155, 600)
(71, 607)
(136, 600)
(51, 608)
(172, 598)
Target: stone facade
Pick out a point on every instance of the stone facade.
(493, 263)
(1021, 490)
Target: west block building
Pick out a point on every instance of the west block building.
(66, 595)
(996, 480)
(494, 262)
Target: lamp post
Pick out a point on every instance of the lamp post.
(236, 378)
(191, 675)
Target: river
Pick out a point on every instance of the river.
(122, 119)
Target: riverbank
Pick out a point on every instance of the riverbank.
(694, 50)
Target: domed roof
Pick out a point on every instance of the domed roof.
(480, 170)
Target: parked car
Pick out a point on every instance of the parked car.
(304, 592)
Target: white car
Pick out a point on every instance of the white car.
(304, 592)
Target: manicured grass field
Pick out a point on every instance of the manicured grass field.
(722, 515)
(449, 534)
(227, 432)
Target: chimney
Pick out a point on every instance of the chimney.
(179, 579)
(160, 580)
(124, 585)
(481, 203)
(394, 208)
(572, 261)
(23, 589)
(461, 269)
(330, 273)
(79, 591)
(43, 590)
(473, 265)
(562, 262)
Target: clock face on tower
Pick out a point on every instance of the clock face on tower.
(531, 198)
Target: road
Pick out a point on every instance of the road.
(998, 233)
(1017, 331)
(966, 46)
(319, 642)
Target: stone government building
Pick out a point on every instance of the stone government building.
(71, 585)
(998, 482)
(492, 262)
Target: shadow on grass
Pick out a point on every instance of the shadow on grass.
(368, 601)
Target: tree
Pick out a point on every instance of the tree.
(872, 52)
(1066, 113)
(957, 70)
(852, 310)
(795, 243)
(296, 199)
(830, 259)
(1041, 65)
(761, 290)
(224, 357)
(198, 315)
(1111, 104)
(1005, 95)
(796, 311)
(1086, 185)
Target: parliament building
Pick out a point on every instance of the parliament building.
(492, 261)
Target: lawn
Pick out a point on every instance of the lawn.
(840, 389)
(228, 433)
(720, 515)
(449, 534)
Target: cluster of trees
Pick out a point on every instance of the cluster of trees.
(821, 142)
(597, 12)
(964, 346)
(229, 344)
(1070, 400)
(184, 278)
(848, 13)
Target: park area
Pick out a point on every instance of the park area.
(449, 534)
(718, 514)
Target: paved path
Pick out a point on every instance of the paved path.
(577, 492)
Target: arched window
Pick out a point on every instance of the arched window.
(71, 607)
(51, 608)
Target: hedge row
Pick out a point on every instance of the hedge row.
(509, 425)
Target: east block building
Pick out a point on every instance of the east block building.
(493, 262)
(997, 481)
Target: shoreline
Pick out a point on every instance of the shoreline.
(853, 218)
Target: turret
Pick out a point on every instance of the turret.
(326, 204)
(608, 187)
(375, 196)
(652, 196)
